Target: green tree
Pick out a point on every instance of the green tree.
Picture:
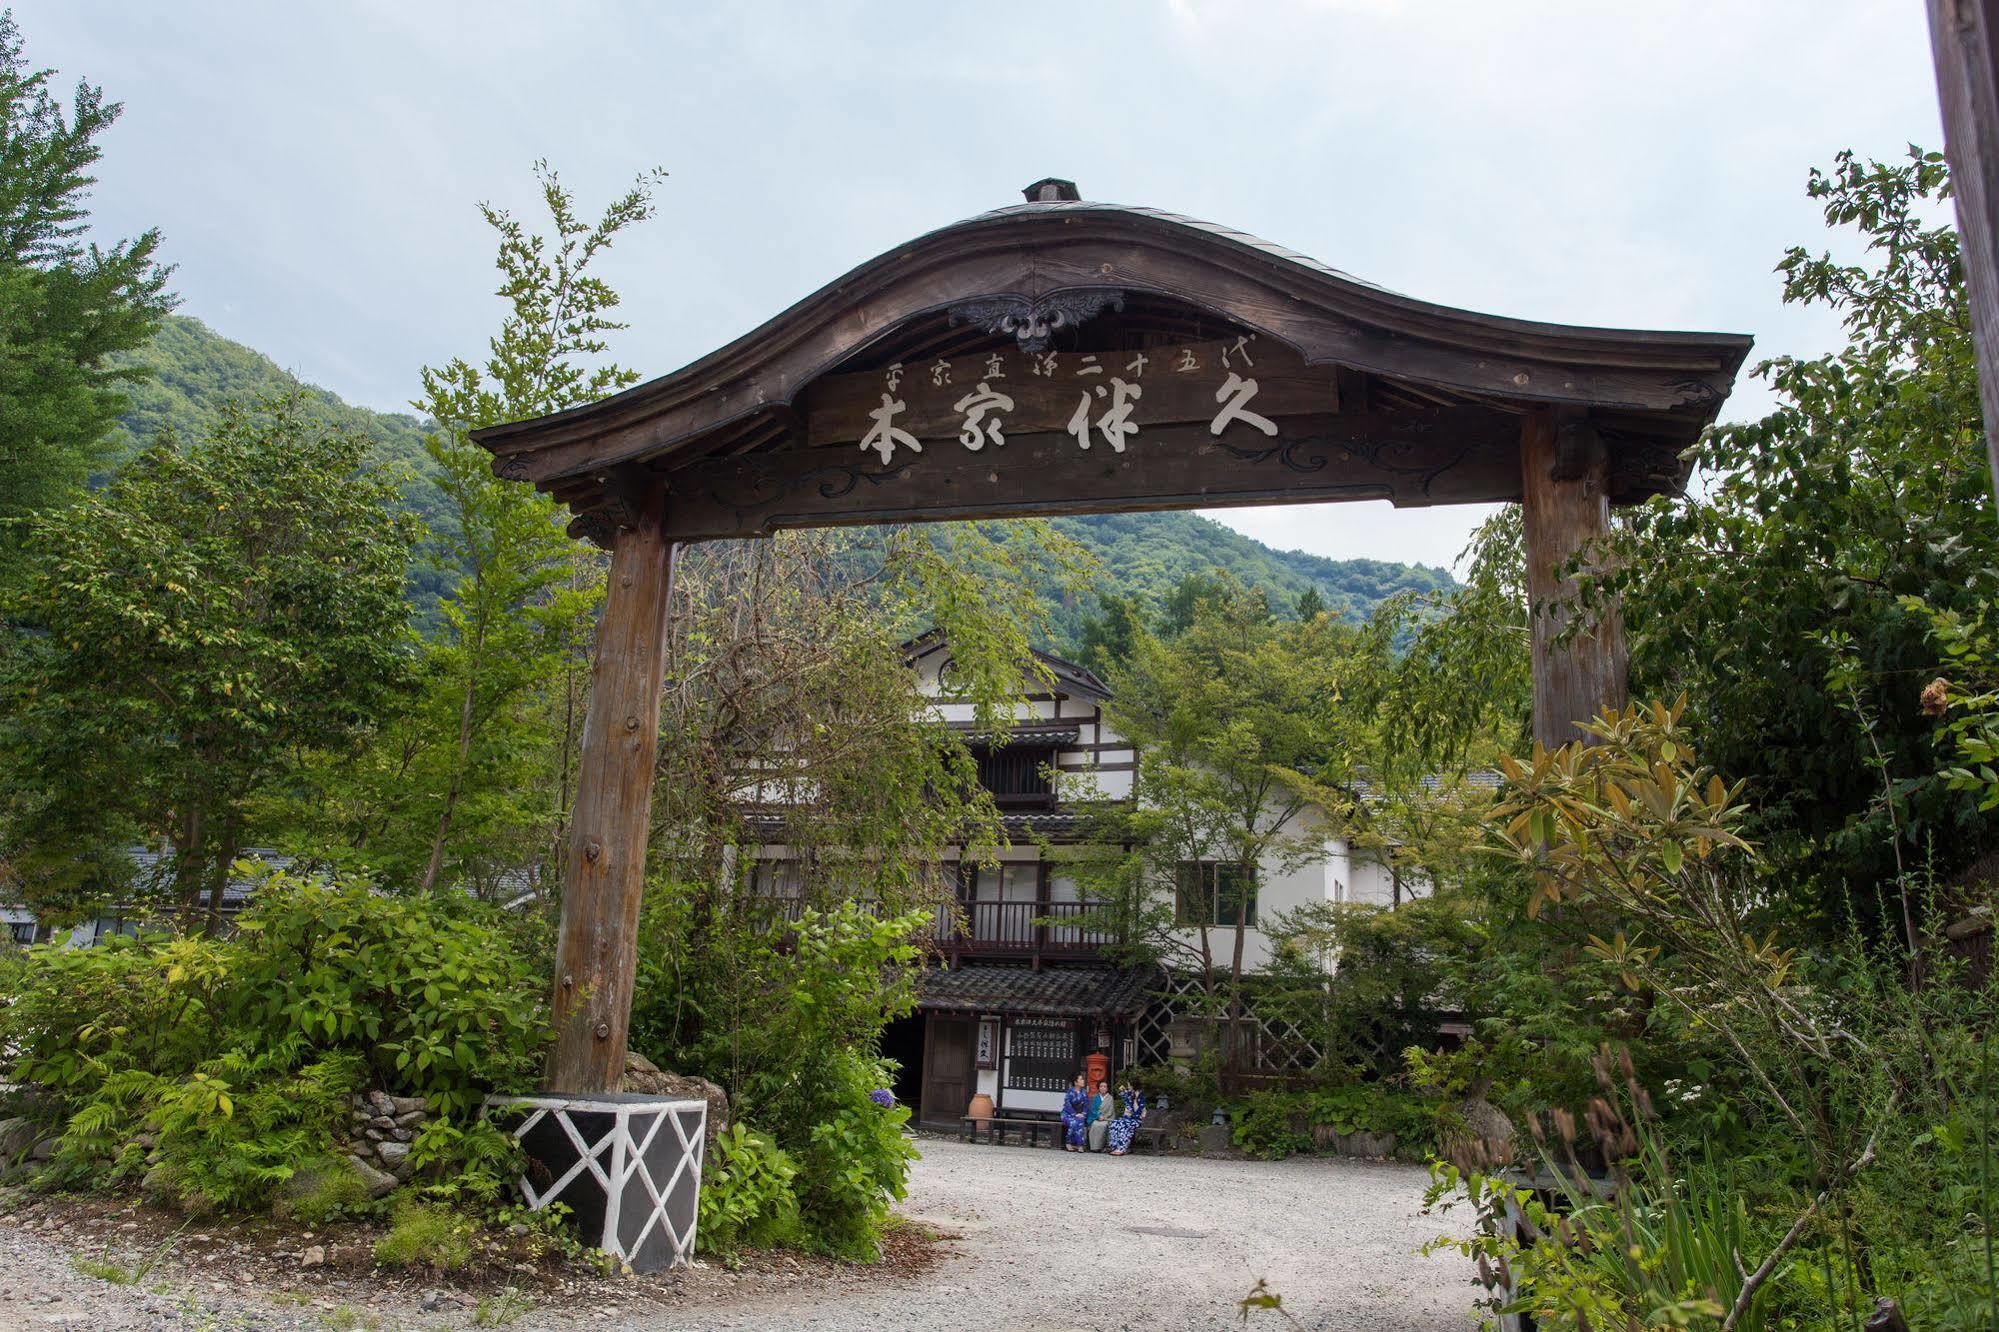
(1781, 596)
(1250, 733)
(1310, 604)
(469, 782)
(66, 305)
(515, 621)
(185, 637)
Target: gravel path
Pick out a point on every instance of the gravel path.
(1044, 1240)
(1048, 1243)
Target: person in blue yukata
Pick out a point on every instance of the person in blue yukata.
(1075, 1115)
(1125, 1127)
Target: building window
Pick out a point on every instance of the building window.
(1210, 893)
(1016, 774)
(23, 932)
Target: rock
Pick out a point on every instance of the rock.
(372, 1133)
(314, 1256)
(432, 1299)
(401, 1134)
(1374, 1146)
(644, 1076)
(45, 1150)
(16, 1136)
(1478, 1135)
(411, 1118)
(409, 1105)
(396, 1157)
(380, 1103)
(1216, 1139)
(383, 1122)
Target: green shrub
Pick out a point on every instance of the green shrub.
(236, 1055)
(792, 1034)
(317, 1195)
(426, 1235)
(1265, 1124)
(746, 1197)
(432, 992)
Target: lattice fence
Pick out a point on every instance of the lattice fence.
(1277, 1045)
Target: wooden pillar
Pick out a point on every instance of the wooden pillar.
(1964, 42)
(1563, 506)
(604, 873)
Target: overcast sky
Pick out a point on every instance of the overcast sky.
(315, 167)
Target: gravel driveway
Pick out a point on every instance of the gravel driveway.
(1044, 1240)
(1054, 1241)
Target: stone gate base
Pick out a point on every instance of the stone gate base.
(627, 1166)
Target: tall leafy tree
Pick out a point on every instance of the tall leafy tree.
(470, 784)
(516, 621)
(1252, 733)
(1778, 595)
(187, 636)
(67, 305)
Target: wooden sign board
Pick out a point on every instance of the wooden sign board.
(1192, 425)
(1099, 399)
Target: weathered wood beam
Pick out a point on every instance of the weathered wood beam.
(604, 873)
(1964, 40)
(1443, 456)
(1579, 668)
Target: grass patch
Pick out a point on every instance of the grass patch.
(346, 1318)
(502, 1309)
(426, 1235)
(102, 1270)
(320, 1194)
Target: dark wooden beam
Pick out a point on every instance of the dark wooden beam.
(1964, 39)
(596, 953)
(1579, 669)
(1444, 456)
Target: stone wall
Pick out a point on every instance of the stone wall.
(380, 1129)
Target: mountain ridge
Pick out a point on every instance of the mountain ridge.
(193, 371)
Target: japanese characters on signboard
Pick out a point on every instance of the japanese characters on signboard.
(1103, 395)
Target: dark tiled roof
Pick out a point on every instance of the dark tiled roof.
(1056, 991)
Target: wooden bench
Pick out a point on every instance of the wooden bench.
(1027, 1132)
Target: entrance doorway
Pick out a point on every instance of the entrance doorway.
(902, 1045)
(947, 1069)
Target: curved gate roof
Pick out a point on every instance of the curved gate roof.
(1150, 279)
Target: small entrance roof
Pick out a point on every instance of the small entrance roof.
(1054, 991)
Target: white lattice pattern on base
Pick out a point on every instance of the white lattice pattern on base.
(628, 1168)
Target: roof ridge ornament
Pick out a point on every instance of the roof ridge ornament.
(1052, 189)
(1032, 320)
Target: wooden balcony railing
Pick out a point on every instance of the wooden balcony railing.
(1009, 929)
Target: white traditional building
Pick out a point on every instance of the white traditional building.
(1019, 1001)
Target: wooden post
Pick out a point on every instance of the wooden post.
(604, 876)
(1964, 41)
(1563, 506)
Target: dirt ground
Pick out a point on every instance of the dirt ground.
(998, 1238)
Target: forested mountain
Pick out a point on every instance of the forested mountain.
(194, 370)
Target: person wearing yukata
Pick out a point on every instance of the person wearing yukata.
(1103, 1109)
(1075, 1115)
(1125, 1127)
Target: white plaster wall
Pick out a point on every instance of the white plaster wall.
(1374, 883)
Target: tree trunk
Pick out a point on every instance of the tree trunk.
(457, 786)
(218, 888)
(1579, 669)
(596, 955)
(1964, 42)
